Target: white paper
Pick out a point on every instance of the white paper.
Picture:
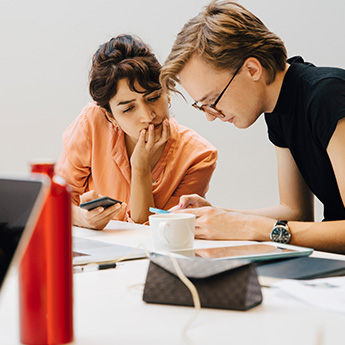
(324, 293)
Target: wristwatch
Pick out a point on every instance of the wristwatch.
(280, 232)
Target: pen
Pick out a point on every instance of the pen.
(93, 267)
(157, 210)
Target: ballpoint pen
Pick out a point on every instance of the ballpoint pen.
(157, 210)
(93, 267)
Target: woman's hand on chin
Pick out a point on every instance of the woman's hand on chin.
(146, 146)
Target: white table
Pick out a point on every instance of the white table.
(109, 309)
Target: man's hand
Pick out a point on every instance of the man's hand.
(213, 223)
(190, 201)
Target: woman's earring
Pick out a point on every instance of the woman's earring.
(115, 125)
(169, 105)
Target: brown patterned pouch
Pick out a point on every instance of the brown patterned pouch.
(226, 284)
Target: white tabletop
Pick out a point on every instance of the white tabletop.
(109, 309)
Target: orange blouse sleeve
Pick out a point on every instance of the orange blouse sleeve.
(197, 178)
(74, 164)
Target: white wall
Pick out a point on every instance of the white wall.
(46, 47)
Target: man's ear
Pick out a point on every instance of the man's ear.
(254, 68)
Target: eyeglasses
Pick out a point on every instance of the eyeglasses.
(211, 108)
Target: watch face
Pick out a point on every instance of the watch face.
(280, 235)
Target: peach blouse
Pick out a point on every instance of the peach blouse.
(94, 157)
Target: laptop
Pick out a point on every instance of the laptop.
(21, 201)
(87, 251)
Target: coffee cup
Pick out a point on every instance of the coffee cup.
(173, 231)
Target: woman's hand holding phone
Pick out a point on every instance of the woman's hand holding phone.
(96, 211)
(103, 201)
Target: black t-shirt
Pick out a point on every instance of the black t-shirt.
(310, 104)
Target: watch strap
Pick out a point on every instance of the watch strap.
(281, 222)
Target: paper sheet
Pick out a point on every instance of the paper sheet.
(325, 293)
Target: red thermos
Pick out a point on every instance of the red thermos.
(46, 273)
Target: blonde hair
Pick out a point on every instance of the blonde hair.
(225, 34)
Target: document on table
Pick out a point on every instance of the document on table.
(324, 293)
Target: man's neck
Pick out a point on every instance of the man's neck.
(273, 90)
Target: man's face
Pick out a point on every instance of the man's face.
(241, 103)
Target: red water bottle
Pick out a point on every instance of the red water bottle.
(46, 273)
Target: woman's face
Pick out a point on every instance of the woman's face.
(134, 111)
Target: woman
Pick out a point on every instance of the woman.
(126, 146)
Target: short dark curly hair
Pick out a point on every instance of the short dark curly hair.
(122, 57)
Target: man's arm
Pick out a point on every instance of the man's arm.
(213, 223)
(296, 199)
(336, 153)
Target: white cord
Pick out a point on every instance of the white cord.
(187, 282)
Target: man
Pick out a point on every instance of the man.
(236, 69)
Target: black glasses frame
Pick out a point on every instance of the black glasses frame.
(211, 108)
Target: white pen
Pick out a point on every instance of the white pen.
(93, 267)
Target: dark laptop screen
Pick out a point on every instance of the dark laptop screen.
(17, 200)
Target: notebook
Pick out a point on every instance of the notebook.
(21, 200)
(87, 251)
(302, 268)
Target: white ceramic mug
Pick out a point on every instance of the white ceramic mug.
(172, 231)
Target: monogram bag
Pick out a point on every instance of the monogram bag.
(226, 284)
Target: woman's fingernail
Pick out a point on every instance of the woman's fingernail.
(100, 209)
(180, 205)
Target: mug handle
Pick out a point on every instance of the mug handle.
(162, 230)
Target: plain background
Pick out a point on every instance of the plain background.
(46, 49)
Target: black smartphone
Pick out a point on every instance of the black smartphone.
(105, 202)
